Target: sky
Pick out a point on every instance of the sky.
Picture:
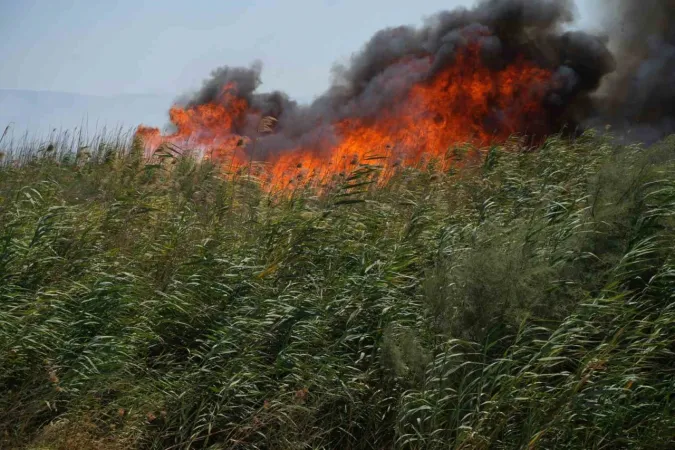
(167, 48)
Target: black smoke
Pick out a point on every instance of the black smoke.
(394, 59)
(639, 98)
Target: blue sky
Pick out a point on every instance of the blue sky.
(168, 47)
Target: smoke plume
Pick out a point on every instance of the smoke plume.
(639, 97)
(474, 75)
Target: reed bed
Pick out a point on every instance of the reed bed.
(524, 301)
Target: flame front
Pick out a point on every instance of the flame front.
(464, 103)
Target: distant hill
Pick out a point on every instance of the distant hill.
(39, 112)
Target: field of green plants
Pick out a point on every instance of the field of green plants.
(524, 300)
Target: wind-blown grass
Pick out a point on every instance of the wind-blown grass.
(524, 301)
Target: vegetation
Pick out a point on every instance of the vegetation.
(526, 300)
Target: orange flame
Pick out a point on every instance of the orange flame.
(464, 103)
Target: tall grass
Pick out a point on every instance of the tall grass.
(524, 301)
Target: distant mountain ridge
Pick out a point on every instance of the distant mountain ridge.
(39, 112)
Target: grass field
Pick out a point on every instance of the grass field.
(526, 300)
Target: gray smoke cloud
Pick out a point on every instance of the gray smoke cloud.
(247, 80)
(395, 59)
(640, 97)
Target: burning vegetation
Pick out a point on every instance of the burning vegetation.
(468, 76)
(527, 301)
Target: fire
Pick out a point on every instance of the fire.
(465, 102)
(209, 125)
